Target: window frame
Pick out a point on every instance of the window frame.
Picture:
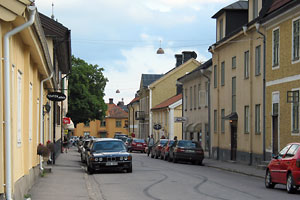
(293, 125)
(222, 120)
(275, 65)
(233, 62)
(297, 59)
(215, 76)
(247, 119)
(118, 123)
(215, 121)
(257, 60)
(223, 73)
(246, 64)
(233, 94)
(257, 119)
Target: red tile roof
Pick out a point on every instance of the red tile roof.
(134, 100)
(277, 4)
(114, 111)
(168, 102)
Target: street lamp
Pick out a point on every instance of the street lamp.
(160, 50)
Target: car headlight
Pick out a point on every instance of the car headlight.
(125, 158)
(96, 159)
(100, 159)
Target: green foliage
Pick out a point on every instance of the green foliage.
(86, 92)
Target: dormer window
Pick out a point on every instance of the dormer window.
(255, 8)
(221, 32)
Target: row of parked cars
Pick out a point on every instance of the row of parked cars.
(182, 150)
(105, 153)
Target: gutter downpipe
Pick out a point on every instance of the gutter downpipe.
(41, 116)
(7, 100)
(208, 79)
(264, 91)
(150, 112)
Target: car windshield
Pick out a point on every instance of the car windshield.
(188, 144)
(109, 146)
(139, 140)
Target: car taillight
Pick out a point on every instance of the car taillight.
(179, 150)
(199, 151)
(133, 143)
(298, 163)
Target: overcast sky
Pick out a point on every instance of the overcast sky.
(122, 36)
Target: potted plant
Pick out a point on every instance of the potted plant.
(50, 146)
(27, 196)
(42, 150)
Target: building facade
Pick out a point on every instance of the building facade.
(133, 108)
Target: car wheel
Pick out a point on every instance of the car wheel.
(290, 186)
(268, 180)
(90, 170)
(129, 169)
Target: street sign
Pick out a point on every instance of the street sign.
(56, 96)
(157, 126)
(180, 119)
(66, 120)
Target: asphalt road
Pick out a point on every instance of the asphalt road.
(154, 179)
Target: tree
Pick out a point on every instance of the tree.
(86, 92)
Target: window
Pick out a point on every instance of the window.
(86, 133)
(292, 151)
(233, 63)
(19, 106)
(276, 48)
(103, 123)
(233, 98)
(222, 121)
(118, 123)
(199, 95)
(255, 9)
(246, 64)
(296, 39)
(215, 77)
(257, 118)
(257, 60)
(87, 124)
(30, 111)
(38, 120)
(126, 124)
(246, 118)
(284, 150)
(295, 116)
(206, 93)
(58, 115)
(215, 121)
(221, 29)
(191, 98)
(223, 73)
(195, 97)
(185, 99)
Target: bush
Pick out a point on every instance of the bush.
(42, 150)
(50, 146)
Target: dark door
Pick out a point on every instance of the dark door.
(275, 134)
(233, 142)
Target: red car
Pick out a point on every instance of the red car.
(165, 150)
(284, 168)
(156, 149)
(137, 145)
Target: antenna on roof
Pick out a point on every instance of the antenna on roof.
(52, 16)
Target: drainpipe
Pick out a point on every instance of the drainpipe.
(150, 112)
(41, 116)
(257, 25)
(7, 100)
(208, 85)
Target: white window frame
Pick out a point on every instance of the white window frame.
(275, 66)
(186, 99)
(247, 119)
(222, 121)
(206, 93)
(257, 60)
(19, 108)
(223, 73)
(246, 64)
(30, 111)
(255, 9)
(292, 58)
(199, 95)
(275, 99)
(294, 133)
(191, 97)
(257, 119)
(37, 120)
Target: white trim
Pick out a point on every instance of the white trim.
(292, 59)
(295, 134)
(175, 104)
(278, 66)
(37, 120)
(19, 109)
(30, 111)
(283, 80)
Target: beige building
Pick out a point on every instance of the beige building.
(166, 86)
(133, 108)
(196, 105)
(282, 26)
(31, 74)
(237, 84)
(165, 117)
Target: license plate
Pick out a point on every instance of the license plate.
(139, 145)
(190, 151)
(111, 163)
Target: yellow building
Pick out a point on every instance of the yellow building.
(166, 86)
(237, 84)
(164, 117)
(282, 26)
(115, 122)
(28, 61)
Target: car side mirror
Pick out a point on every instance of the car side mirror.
(275, 156)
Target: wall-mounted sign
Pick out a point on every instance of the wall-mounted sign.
(180, 119)
(66, 120)
(157, 126)
(56, 96)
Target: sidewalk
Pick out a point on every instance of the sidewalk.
(67, 180)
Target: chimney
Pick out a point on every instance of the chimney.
(178, 59)
(188, 55)
(120, 104)
(111, 101)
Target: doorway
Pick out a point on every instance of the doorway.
(233, 142)
(275, 134)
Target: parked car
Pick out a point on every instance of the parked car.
(107, 153)
(284, 168)
(83, 153)
(128, 143)
(165, 150)
(156, 149)
(186, 150)
(137, 145)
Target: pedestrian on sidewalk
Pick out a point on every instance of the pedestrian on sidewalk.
(150, 144)
(66, 144)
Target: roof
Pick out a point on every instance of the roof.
(277, 4)
(11, 9)
(62, 40)
(136, 99)
(239, 5)
(114, 111)
(168, 102)
(147, 79)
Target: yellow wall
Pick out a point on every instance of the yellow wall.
(178, 126)
(1, 118)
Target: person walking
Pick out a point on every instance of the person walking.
(66, 144)
(150, 144)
